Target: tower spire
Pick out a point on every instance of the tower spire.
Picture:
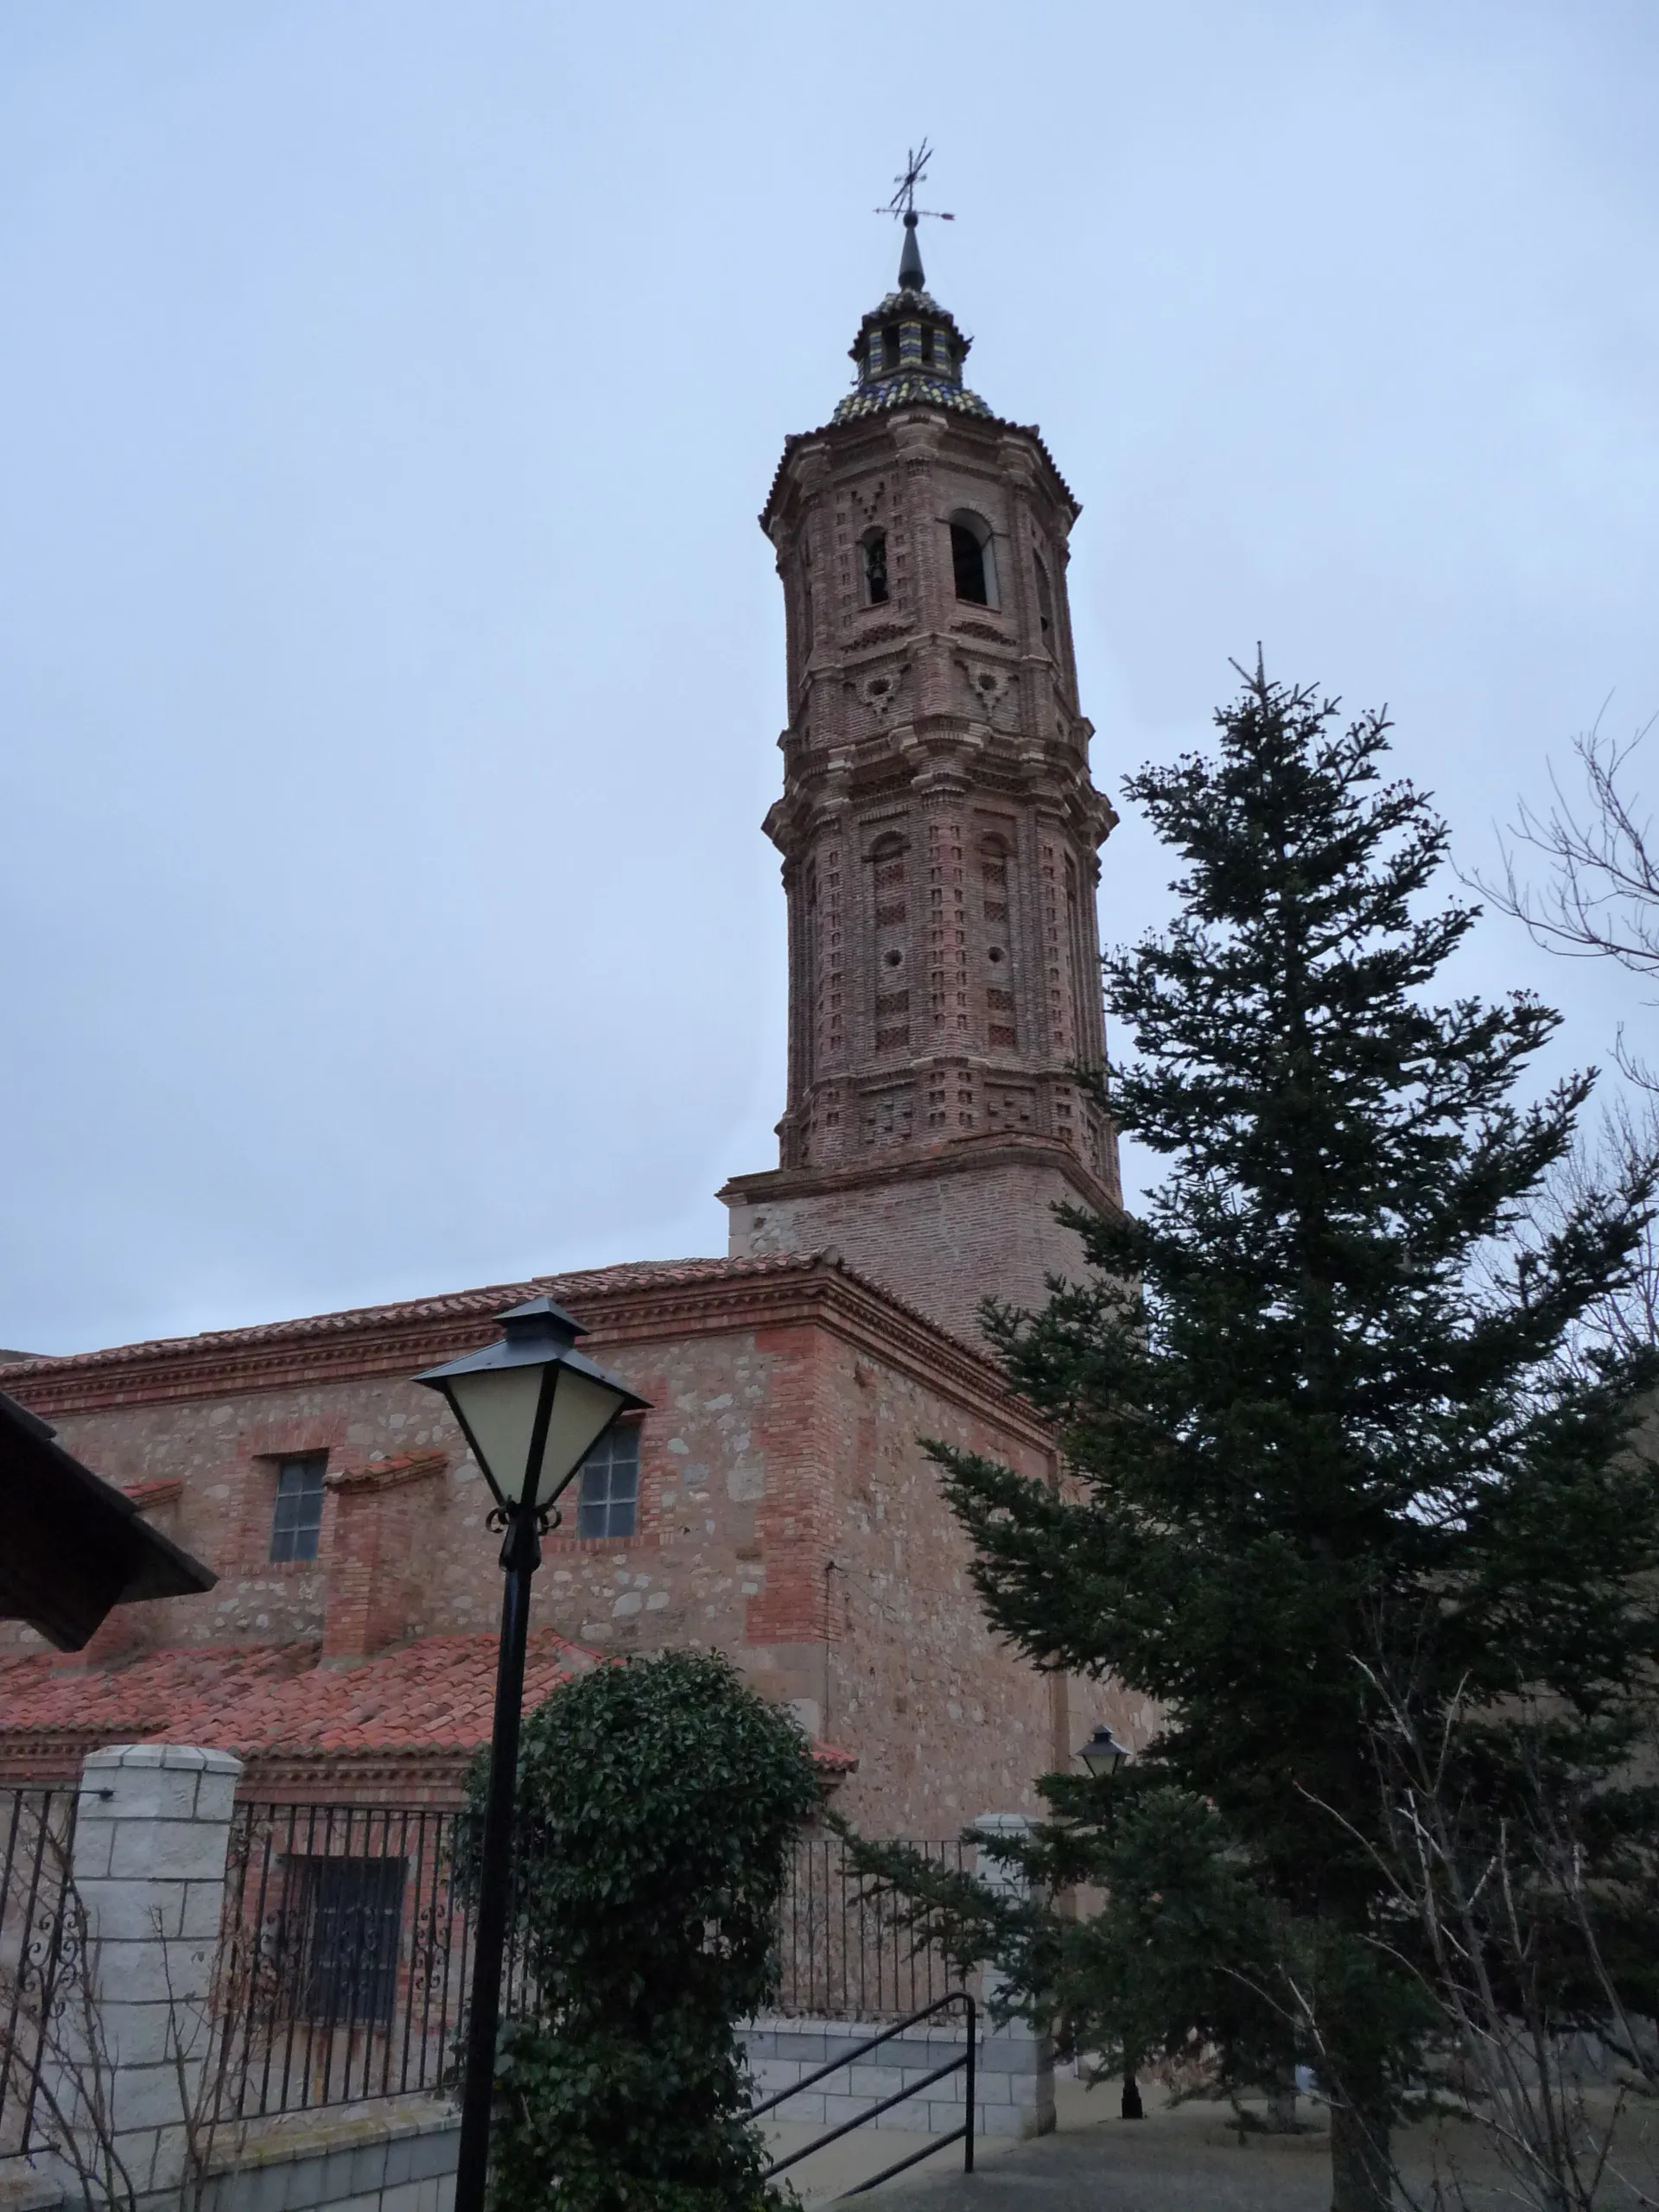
(911, 278)
(909, 349)
(903, 204)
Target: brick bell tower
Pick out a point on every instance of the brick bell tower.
(939, 834)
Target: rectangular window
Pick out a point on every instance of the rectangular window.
(346, 1922)
(608, 1501)
(297, 1521)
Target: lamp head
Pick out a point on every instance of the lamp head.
(531, 1406)
(1103, 1754)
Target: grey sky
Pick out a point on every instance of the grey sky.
(390, 662)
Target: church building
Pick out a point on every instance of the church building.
(939, 835)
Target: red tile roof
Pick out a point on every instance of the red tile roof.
(434, 1696)
(484, 1303)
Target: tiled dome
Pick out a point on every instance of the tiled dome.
(909, 351)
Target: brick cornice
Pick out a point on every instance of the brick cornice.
(621, 1307)
(956, 1155)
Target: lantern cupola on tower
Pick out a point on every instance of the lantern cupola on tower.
(909, 351)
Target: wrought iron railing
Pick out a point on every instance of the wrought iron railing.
(841, 1957)
(346, 1959)
(346, 1952)
(961, 2062)
(36, 1834)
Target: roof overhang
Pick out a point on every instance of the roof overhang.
(72, 1545)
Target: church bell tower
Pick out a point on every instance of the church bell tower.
(939, 834)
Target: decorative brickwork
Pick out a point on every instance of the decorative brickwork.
(939, 834)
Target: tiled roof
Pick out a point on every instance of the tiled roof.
(435, 1695)
(918, 391)
(571, 1290)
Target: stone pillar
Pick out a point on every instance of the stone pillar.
(1026, 2057)
(152, 1832)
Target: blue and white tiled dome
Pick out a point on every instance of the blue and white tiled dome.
(909, 352)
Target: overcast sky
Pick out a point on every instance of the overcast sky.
(390, 662)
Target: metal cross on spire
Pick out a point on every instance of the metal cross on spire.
(903, 201)
(903, 204)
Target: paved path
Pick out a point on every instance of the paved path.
(1188, 2160)
(1180, 2161)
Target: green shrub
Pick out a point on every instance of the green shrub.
(658, 1806)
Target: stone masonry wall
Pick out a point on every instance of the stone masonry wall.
(939, 1240)
(788, 1516)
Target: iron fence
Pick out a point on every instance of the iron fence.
(36, 1832)
(346, 1952)
(841, 1957)
(345, 1957)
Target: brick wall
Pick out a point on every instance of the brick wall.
(941, 1235)
(788, 1516)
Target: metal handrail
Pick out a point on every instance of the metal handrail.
(963, 2135)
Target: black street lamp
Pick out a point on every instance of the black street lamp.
(531, 1407)
(1103, 1755)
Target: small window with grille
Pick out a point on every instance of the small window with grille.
(297, 1521)
(346, 1920)
(608, 1504)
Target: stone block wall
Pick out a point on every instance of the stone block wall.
(401, 2162)
(152, 1832)
(1014, 2077)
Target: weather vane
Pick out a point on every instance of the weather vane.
(903, 202)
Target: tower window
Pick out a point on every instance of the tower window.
(1045, 597)
(972, 560)
(608, 1501)
(874, 548)
(890, 346)
(297, 1521)
(927, 344)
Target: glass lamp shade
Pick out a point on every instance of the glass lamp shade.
(1103, 1754)
(531, 1407)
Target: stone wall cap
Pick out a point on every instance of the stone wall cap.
(287, 2139)
(199, 1758)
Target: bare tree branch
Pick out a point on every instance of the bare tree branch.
(1602, 898)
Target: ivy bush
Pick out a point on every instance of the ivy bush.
(658, 1805)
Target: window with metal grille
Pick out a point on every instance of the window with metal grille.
(608, 1501)
(297, 1521)
(347, 1917)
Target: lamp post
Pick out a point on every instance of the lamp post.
(531, 1407)
(1103, 1755)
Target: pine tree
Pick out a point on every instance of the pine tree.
(1331, 1419)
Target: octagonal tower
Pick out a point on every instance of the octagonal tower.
(939, 834)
